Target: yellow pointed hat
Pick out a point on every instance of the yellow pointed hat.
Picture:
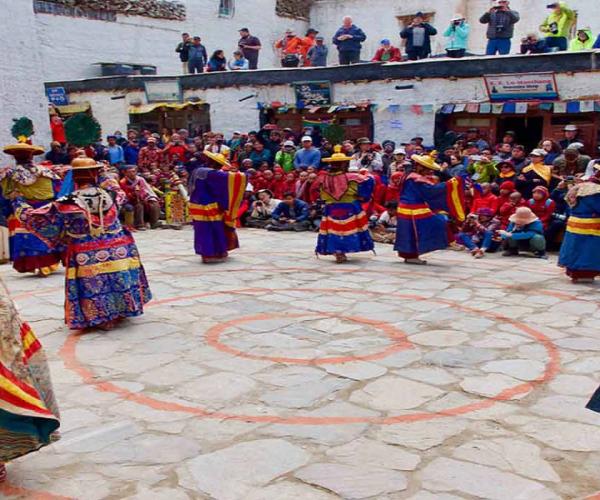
(427, 162)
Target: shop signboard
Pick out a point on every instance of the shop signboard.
(57, 96)
(163, 90)
(316, 93)
(528, 86)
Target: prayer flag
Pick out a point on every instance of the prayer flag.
(560, 107)
(586, 106)
(573, 107)
(510, 107)
(521, 107)
(485, 108)
(472, 107)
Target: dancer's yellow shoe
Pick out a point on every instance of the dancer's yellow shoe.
(47, 271)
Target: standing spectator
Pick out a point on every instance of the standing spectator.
(365, 157)
(182, 49)
(115, 152)
(348, 40)
(387, 52)
(238, 61)
(483, 168)
(57, 155)
(571, 135)
(557, 26)
(552, 148)
(308, 156)
(531, 44)
(418, 38)
(501, 22)
(290, 49)
(308, 42)
(131, 151)
(141, 199)
(317, 54)
(249, 46)
(519, 158)
(285, 157)
(458, 36)
(197, 56)
(217, 62)
(216, 144)
(583, 41)
(176, 150)
(387, 157)
(58, 129)
(473, 136)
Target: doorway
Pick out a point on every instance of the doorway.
(529, 130)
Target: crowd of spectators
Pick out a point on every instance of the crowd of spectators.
(312, 50)
(503, 181)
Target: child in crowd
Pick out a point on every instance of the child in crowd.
(508, 209)
(383, 229)
(478, 233)
(542, 205)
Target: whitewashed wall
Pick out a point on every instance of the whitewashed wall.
(228, 114)
(21, 88)
(68, 46)
(378, 18)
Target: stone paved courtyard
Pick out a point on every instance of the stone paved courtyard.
(279, 376)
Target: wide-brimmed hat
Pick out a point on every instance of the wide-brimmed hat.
(23, 147)
(523, 216)
(218, 157)
(457, 17)
(363, 140)
(426, 161)
(84, 163)
(337, 156)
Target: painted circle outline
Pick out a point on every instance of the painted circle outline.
(399, 340)
(69, 356)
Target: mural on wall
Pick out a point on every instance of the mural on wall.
(158, 9)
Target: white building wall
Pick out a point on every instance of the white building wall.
(228, 114)
(21, 88)
(69, 46)
(378, 18)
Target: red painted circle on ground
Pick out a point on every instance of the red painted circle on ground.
(398, 338)
(69, 355)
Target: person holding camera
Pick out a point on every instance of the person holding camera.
(557, 26)
(290, 49)
(458, 36)
(365, 157)
(418, 38)
(531, 44)
(501, 22)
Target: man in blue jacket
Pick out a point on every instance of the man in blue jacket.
(348, 40)
(290, 215)
(524, 232)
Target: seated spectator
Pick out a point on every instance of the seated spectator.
(278, 185)
(398, 165)
(260, 155)
(458, 36)
(456, 166)
(571, 162)
(387, 52)
(308, 155)
(285, 157)
(557, 26)
(149, 155)
(583, 41)
(317, 54)
(217, 62)
(418, 38)
(553, 150)
(383, 228)
(483, 168)
(238, 62)
(503, 151)
(532, 44)
(509, 208)
(291, 214)
(525, 232)
(262, 209)
(57, 154)
(542, 205)
(485, 199)
(506, 188)
(478, 233)
(142, 203)
(506, 172)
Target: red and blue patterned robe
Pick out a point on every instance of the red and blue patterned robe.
(105, 279)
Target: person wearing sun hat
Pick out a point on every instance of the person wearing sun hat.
(525, 232)
(215, 198)
(344, 226)
(421, 228)
(105, 278)
(38, 185)
(580, 251)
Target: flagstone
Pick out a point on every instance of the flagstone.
(395, 393)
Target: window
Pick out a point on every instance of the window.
(226, 8)
(295, 9)
(406, 20)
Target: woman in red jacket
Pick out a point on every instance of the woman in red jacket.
(542, 206)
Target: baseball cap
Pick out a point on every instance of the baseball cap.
(307, 138)
(571, 128)
(289, 144)
(385, 41)
(243, 29)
